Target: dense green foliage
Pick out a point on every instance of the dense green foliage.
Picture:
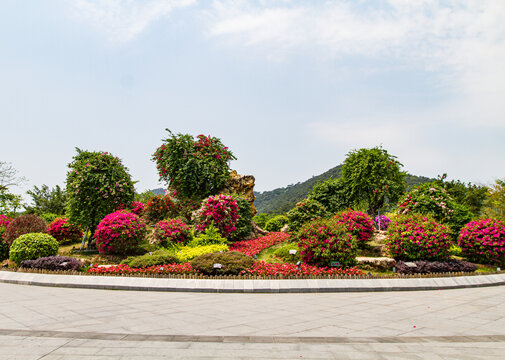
(332, 194)
(276, 223)
(243, 225)
(47, 200)
(187, 253)
(32, 246)
(305, 211)
(262, 219)
(158, 257)
(210, 236)
(283, 253)
(160, 207)
(194, 168)
(231, 263)
(97, 184)
(495, 201)
(372, 178)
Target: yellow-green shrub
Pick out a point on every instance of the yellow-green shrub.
(186, 253)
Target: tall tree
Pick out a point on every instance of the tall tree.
(47, 200)
(373, 178)
(495, 201)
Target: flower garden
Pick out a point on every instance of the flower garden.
(198, 228)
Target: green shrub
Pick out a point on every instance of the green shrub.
(332, 194)
(32, 246)
(24, 224)
(243, 225)
(325, 241)
(283, 253)
(262, 219)
(305, 211)
(211, 236)
(159, 257)
(418, 237)
(232, 263)
(4, 249)
(186, 253)
(49, 217)
(276, 223)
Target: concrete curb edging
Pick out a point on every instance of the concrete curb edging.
(250, 286)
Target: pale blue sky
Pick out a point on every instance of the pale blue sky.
(289, 86)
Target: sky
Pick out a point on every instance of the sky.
(289, 86)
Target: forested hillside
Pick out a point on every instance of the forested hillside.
(283, 199)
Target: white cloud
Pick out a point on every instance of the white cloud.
(122, 20)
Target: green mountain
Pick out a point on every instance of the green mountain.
(282, 200)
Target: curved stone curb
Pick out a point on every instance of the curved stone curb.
(250, 286)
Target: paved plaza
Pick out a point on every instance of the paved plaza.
(60, 323)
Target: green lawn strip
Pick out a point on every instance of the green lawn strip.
(268, 256)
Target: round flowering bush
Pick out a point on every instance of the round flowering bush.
(305, 211)
(160, 207)
(483, 241)
(32, 246)
(418, 237)
(24, 224)
(63, 231)
(119, 233)
(4, 220)
(222, 210)
(358, 223)
(138, 208)
(325, 241)
(382, 222)
(171, 232)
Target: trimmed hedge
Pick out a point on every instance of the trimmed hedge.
(159, 257)
(32, 246)
(232, 263)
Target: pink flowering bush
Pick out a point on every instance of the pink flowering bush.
(262, 268)
(137, 208)
(123, 269)
(119, 232)
(160, 207)
(483, 241)
(255, 246)
(325, 241)
(170, 232)
(222, 210)
(418, 237)
(4, 220)
(382, 222)
(63, 231)
(357, 222)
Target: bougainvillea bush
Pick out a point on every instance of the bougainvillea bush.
(194, 168)
(255, 246)
(4, 220)
(138, 208)
(418, 237)
(63, 231)
(24, 224)
(483, 241)
(357, 222)
(325, 241)
(168, 233)
(305, 211)
(382, 222)
(32, 246)
(160, 207)
(119, 233)
(263, 268)
(221, 210)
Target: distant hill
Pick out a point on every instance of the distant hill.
(159, 191)
(282, 200)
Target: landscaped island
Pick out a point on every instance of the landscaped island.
(364, 222)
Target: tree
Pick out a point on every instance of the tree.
(195, 169)
(47, 200)
(372, 178)
(332, 193)
(495, 201)
(9, 202)
(97, 185)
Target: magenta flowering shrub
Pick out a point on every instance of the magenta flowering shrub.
(171, 232)
(357, 223)
(4, 220)
(63, 231)
(418, 237)
(483, 241)
(325, 241)
(382, 222)
(138, 208)
(119, 232)
(222, 210)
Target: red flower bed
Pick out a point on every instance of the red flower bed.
(255, 246)
(265, 269)
(178, 269)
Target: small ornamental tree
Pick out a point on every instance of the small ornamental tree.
(495, 201)
(97, 184)
(222, 211)
(372, 178)
(483, 241)
(119, 233)
(63, 231)
(194, 168)
(332, 194)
